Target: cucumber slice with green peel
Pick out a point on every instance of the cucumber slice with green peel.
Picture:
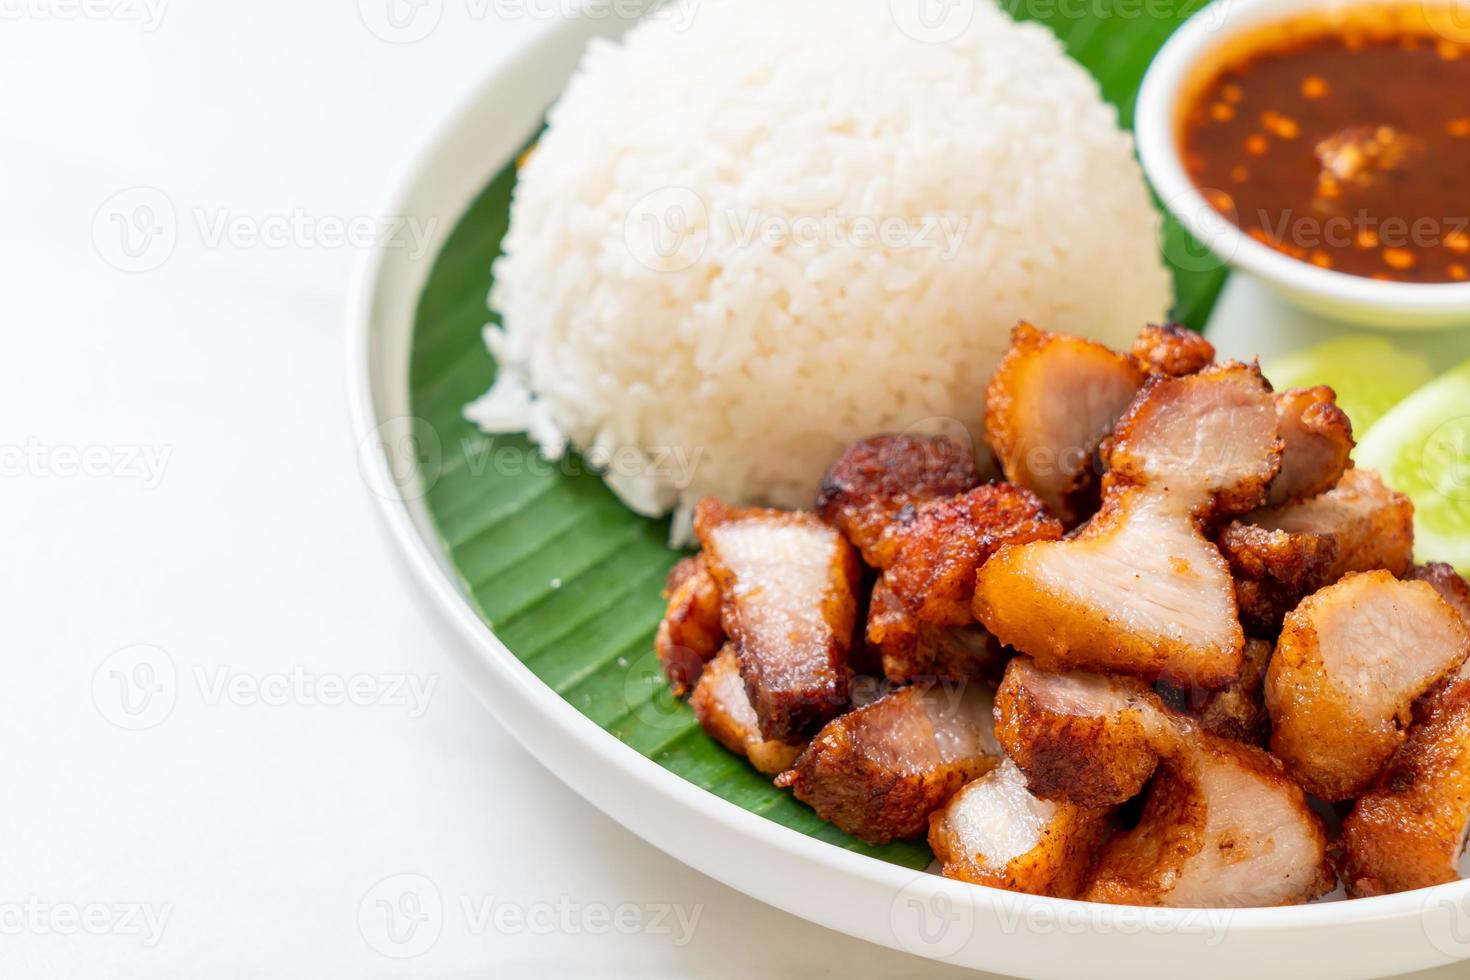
(1369, 374)
(1422, 448)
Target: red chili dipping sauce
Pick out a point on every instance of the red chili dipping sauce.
(1342, 143)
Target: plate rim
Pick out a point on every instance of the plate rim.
(501, 679)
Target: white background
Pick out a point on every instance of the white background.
(250, 549)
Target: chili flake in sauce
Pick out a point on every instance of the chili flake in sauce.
(1342, 146)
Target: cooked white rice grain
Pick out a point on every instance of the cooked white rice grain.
(754, 235)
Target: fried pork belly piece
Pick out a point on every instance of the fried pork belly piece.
(873, 480)
(944, 542)
(1318, 444)
(1237, 711)
(1209, 440)
(879, 771)
(995, 832)
(788, 584)
(1048, 407)
(1083, 738)
(912, 651)
(724, 712)
(1223, 827)
(1448, 583)
(1410, 829)
(1281, 555)
(1172, 349)
(690, 633)
(1140, 589)
(1351, 662)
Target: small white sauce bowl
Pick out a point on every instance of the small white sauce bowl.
(1173, 81)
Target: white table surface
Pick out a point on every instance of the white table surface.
(179, 473)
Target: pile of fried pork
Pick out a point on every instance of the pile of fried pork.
(1173, 651)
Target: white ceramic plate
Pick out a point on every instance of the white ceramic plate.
(1021, 935)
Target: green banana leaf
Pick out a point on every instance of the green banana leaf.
(570, 579)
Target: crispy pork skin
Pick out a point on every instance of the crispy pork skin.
(1318, 444)
(788, 588)
(1409, 830)
(1140, 589)
(1451, 587)
(690, 633)
(1281, 555)
(875, 479)
(1172, 349)
(880, 770)
(1223, 827)
(1209, 441)
(1048, 407)
(913, 651)
(1351, 662)
(995, 832)
(944, 543)
(724, 712)
(1237, 711)
(1084, 738)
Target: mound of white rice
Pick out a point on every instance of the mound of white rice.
(757, 230)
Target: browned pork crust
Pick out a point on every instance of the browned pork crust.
(1351, 662)
(1409, 830)
(1281, 555)
(1048, 407)
(723, 710)
(690, 633)
(1083, 738)
(995, 832)
(1172, 349)
(912, 651)
(874, 479)
(946, 541)
(878, 772)
(788, 585)
(1236, 711)
(1223, 827)
(1318, 440)
(1452, 588)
